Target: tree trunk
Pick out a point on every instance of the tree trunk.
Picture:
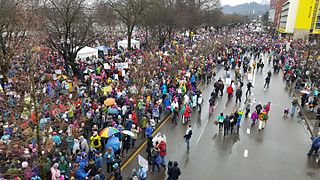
(147, 39)
(38, 137)
(4, 71)
(129, 38)
(65, 59)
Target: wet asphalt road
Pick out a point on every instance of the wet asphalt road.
(277, 152)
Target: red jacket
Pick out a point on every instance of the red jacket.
(230, 90)
(163, 148)
(187, 112)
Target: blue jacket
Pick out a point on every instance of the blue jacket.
(56, 139)
(316, 142)
(167, 102)
(129, 123)
(149, 131)
(193, 78)
(80, 173)
(98, 161)
(142, 173)
(109, 156)
(164, 89)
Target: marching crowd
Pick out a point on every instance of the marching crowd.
(88, 124)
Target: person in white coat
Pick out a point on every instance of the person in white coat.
(76, 146)
(84, 144)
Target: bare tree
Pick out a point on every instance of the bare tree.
(191, 13)
(160, 19)
(105, 16)
(129, 12)
(69, 27)
(16, 16)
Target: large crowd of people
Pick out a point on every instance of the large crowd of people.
(89, 123)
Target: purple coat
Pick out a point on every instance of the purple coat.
(254, 116)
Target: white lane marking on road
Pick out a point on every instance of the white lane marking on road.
(200, 136)
(245, 153)
(254, 79)
(248, 130)
(205, 125)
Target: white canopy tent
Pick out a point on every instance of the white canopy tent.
(124, 44)
(87, 52)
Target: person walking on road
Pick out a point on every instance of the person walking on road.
(294, 104)
(199, 102)
(259, 108)
(229, 91)
(226, 125)
(238, 95)
(149, 149)
(240, 115)
(156, 157)
(142, 173)
(263, 118)
(254, 117)
(315, 145)
(249, 86)
(232, 122)
(169, 171)
(220, 121)
(163, 152)
(267, 82)
(175, 171)
(220, 86)
(187, 137)
(211, 105)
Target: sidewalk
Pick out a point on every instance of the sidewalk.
(308, 116)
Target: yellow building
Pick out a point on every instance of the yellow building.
(299, 18)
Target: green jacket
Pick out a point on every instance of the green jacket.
(63, 165)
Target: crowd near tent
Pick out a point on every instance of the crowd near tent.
(103, 50)
(87, 52)
(124, 44)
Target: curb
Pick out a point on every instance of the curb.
(302, 116)
(300, 109)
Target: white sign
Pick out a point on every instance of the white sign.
(106, 66)
(58, 71)
(143, 162)
(121, 66)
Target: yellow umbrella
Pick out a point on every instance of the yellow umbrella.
(106, 89)
(109, 101)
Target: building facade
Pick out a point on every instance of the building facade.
(272, 10)
(297, 18)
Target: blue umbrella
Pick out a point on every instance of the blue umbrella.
(113, 111)
(114, 143)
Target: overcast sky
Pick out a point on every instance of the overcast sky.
(236, 2)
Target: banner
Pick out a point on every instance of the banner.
(106, 66)
(143, 162)
(58, 71)
(121, 66)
